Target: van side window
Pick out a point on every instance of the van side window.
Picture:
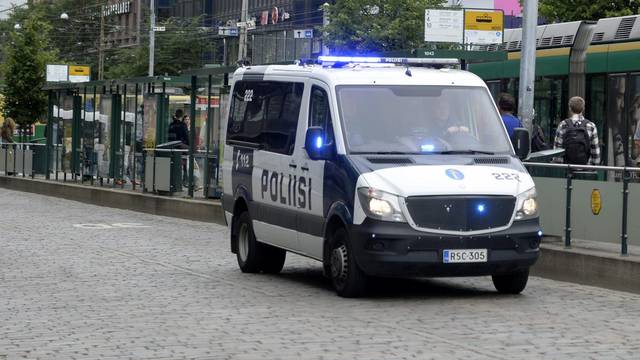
(320, 113)
(265, 114)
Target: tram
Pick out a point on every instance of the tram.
(599, 61)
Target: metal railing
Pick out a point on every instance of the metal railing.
(571, 171)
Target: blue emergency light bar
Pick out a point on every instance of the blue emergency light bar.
(385, 60)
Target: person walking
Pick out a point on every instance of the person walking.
(578, 136)
(507, 105)
(7, 130)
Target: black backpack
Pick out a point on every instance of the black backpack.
(576, 143)
(538, 142)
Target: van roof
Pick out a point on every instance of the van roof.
(363, 75)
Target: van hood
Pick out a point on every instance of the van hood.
(425, 180)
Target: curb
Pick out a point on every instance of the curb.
(588, 267)
(198, 210)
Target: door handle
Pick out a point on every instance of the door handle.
(305, 167)
(293, 165)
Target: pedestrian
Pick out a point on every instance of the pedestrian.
(538, 139)
(507, 105)
(7, 130)
(578, 136)
(178, 130)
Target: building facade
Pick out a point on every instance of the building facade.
(285, 30)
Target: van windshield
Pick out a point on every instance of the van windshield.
(420, 120)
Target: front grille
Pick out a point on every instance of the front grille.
(461, 213)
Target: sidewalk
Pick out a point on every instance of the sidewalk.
(587, 262)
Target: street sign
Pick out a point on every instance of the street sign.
(443, 26)
(228, 31)
(249, 24)
(483, 27)
(57, 73)
(159, 28)
(79, 73)
(303, 34)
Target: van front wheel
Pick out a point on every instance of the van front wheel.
(347, 278)
(512, 283)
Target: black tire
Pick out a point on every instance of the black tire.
(512, 283)
(348, 279)
(273, 259)
(248, 249)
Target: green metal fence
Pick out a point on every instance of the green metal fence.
(101, 133)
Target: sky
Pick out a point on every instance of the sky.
(7, 4)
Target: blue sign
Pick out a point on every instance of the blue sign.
(308, 34)
(454, 174)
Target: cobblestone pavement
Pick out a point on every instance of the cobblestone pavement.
(172, 290)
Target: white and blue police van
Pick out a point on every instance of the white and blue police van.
(376, 170)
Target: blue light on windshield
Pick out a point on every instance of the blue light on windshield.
(427, 147)
(319, 142)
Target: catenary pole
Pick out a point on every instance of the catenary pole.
(528, 63)
(242, 49)
(101, 46)
(152, 36)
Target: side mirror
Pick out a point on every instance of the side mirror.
(314, 143)
(521, 142)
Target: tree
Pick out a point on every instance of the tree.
(562, 10)
(365, 26)
(180, 47)
(24, 72)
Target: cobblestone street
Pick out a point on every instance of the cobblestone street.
(80, 281)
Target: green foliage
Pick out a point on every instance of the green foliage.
(24, 71)
(178, 48)
(562, 10)
(365, 26)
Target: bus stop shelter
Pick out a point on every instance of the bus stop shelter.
(115, 132)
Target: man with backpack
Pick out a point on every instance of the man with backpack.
(578, 136)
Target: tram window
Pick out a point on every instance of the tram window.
(634, 120)
(616, 124)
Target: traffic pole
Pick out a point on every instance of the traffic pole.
(528, 63)
(242, 49)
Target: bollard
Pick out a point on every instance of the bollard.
(625, 205)
(567, 226)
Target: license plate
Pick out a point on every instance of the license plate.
(465, 256)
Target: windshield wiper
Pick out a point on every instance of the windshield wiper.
(464, 152)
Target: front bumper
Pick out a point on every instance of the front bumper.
(395, 249)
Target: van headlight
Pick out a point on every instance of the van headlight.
(380, 205)
(527, 205)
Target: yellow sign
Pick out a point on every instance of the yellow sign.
(596, 202)
(79, 71)
(483, 20)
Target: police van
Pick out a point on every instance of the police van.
(376, 170)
